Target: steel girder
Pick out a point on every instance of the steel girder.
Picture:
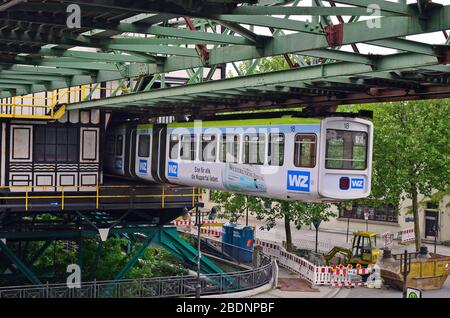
(143, 38)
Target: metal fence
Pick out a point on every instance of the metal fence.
(176, 286)
(323, 246)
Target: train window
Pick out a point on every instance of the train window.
(276, 149)
(229, 148)
(119, 145)
(254, 149)
(346, 150)
(174, 146)
(208, 150)
(187, 151)
(305, 150)
(110, 144)
(144, 146)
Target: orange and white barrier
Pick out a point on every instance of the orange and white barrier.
(212, 232)
(316, 275)
(407, 235)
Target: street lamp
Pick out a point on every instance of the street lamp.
(198, 287)
(405, 269)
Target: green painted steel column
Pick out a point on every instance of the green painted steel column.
(28, 272)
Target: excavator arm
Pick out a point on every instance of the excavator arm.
(337, 249)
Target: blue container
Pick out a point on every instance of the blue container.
(243, 239)
(227, 238)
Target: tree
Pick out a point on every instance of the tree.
(411, 152)
(291, 212)
(315, 214)
(233, 206)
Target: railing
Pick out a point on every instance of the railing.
(43, 107)
(65, 193)
(323, 246)
(175, 286)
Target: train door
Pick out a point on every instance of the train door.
(130, 151)
(119, 158)
(302, 176)
(3, 154)
(144, 152)
(159, 146)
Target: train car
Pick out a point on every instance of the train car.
(284, 157)
(287, 158)
(120, 149)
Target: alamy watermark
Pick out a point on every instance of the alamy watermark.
(74, 16)
(74, 279)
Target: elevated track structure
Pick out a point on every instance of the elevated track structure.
(69, 68)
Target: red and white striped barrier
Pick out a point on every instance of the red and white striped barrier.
(316, 275)
(407, 235)
(189, 222)
(213, 232)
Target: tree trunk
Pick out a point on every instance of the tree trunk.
(415, 207)
(317, 237)
(287, 227)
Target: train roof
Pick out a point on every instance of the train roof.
(266, 118)
(285, 120)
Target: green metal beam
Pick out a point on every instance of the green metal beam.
(26, 271)
(385, 63)
(388, 6)
(306, 11)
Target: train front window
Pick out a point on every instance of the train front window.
(254, 149)
(144, 146)
(346, 150)
(187, 151)
(229, 148)
(305, 150)
(174, 146)
(208, 150)
(276, 149)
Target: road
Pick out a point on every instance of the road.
(331, 239)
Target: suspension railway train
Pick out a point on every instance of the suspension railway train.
(286, 157)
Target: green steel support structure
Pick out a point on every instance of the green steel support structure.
(166, 237)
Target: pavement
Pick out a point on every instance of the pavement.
(321, 291)
(335, 238)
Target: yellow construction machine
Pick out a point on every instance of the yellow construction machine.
(363, 250)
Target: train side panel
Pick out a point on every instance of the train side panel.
(284, 179)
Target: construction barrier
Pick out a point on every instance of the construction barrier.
(407, 235)
(316, 275)
(212, 232)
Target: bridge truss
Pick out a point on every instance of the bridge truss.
(336, 52)
(186, 57)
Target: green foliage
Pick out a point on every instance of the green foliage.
(270, 211)
(233, 206)
(316, 213)
(157, 262)
(411, 151)
(52, 264)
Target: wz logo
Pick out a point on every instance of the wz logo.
(142, 166)
(173, 169)
(357, 183)
(119, 163)
(299, 181)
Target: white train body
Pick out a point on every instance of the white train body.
(286, 158)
